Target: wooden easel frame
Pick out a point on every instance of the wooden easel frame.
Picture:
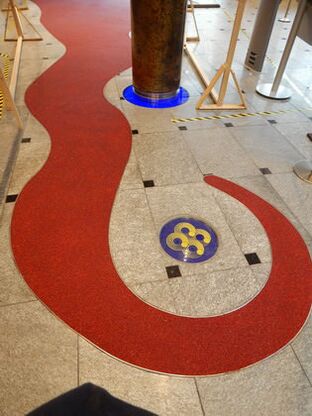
(190, 9)
(22, 6)
(9, 100)
(225, 71)
(17, 15)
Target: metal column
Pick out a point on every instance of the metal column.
(261, 34)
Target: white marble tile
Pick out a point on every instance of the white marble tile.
(161, 394)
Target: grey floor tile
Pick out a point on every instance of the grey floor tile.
(161, 394)
(132, 177)
(136, 255)
(262, 272)
(276, 386)
(165, 159)
(157, 294)
(267, 148)
(263, 188)
(296, 194)
(110, 90)
(214, 293)
(248, 231)
(217, 152)
(38, 357)
(296, 134)
(148, 120)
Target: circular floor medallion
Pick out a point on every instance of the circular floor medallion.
(189, 240)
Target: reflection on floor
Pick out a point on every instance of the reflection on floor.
(42, 358)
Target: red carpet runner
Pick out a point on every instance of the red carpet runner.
(61, 219)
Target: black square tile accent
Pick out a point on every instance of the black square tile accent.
(135, 131)
(265, 171)
(26, 140)
(148, 184)
(173, 271)
(122, 98)
(272, 121)
(11, 198)
(228, 125)
(309, 136)
(182, 128)
(252, 258)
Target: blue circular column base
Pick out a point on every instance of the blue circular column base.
(132, 97)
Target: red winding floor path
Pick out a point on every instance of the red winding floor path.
(61, 219)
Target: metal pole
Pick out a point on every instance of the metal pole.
(275, 90)
(285, 18)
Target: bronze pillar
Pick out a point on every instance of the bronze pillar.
(157, 46)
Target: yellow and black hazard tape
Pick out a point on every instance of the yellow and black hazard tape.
(235, 115)
(6, 71)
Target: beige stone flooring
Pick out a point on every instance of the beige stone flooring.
(41, 358)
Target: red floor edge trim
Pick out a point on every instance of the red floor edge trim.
(60, 222)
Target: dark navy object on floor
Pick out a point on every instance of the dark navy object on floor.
(189, 240)
(88, 400)
(134, 98)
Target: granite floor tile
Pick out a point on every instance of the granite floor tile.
(38, 358)
(276, 386)
(163, 395)
(297, 194)
(165, 158)
(111, 91)
(132, 177)
(261, 272)
(267, 148)
(13, 287)
(148, 120)
(133, 244)
(302, 346)
(248, 231)
(263, 188)
(296, 134)
(157, 294)
(217, 152)
(214, 293)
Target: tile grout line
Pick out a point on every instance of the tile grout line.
(302, 368)
(18, 303)
(199, 397)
